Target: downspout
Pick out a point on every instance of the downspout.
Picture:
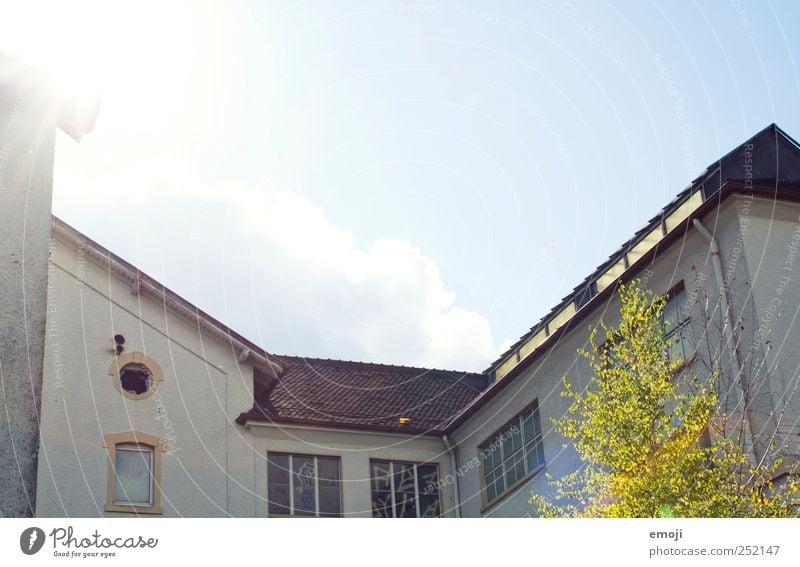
(728, 326)
(451, 450)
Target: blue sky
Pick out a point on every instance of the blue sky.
(406, 182)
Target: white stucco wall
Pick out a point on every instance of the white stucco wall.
(208, 468)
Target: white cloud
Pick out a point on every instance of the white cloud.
(270, 263)
(316, 290)
(389, 295)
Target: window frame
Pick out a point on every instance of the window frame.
(417, 491)
(143, 450)
(536, 445)
(127, 441)
(141, 359)
(292, 511)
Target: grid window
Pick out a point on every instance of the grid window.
(303, 485)
(404, 490)
(512, 454)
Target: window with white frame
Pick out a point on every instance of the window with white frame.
(676, 317)
(512, 454)
(133, 478)
(303, 485)
(134, 472)
(404, 490)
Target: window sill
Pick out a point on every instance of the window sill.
(511, 489)
(299, 516)
(134, 509)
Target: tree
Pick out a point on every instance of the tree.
(645, 430)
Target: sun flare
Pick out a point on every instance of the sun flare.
(144, 55)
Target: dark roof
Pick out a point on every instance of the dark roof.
(770, 157)
(364, 395)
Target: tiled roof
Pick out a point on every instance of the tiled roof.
(365, 395)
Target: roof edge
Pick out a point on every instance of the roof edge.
(254, 416)
(141, 282)
(726, 190)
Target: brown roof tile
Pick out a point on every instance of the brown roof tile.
(365, 395)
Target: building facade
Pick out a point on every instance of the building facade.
(152, 407)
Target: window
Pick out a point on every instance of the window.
(133, 465)
(135, 378)
(585, 295)
(512, 455)
(303, 485)
(677, 332)
(405, 490)
(676, 316)
(134, 472)
(135, 375)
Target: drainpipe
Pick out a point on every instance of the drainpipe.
(728, 326)
(451, 450)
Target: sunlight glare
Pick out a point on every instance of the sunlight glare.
(155, 57)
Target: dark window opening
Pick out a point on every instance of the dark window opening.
(135, 378)
(676, 318)
(585, 295)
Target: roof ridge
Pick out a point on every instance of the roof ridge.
(341, 361)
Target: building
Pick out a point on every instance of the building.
(723, 252)
(151, 406)
(30, 113)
